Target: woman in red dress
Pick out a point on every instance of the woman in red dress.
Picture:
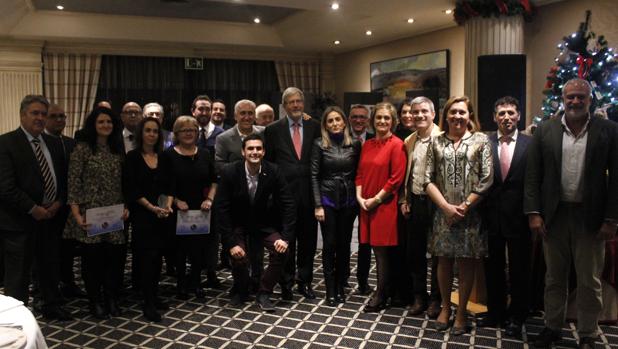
(380, 172)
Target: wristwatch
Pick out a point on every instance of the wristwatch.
(377, 199)
(467, 202)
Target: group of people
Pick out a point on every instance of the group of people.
(417, 187)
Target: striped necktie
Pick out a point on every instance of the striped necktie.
(48, 179)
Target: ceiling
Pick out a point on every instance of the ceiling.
(295, 25)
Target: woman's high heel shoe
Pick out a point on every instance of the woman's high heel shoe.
(369, 308)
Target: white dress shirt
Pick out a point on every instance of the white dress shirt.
(573, 161)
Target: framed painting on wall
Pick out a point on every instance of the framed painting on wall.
(425, 74)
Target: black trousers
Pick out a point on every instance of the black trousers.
(240, 267)
(301, 249)
(517, 250)
(337, 235)
(150, 271)
(47, 258)
(195, 248)
(17, 249)
(69, 249)
(103, 268)
(418, 227)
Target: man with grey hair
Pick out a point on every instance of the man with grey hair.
(32, 191)
(131, 115)
(570, 198)
(288, 144)
(264, 114)
(417, 209)
(155, 110)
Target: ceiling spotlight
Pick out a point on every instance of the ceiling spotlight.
(256, 20)
(448, 12)
(334, 6)
(368, 32)
(60, 7)
(410, 20)
(337, 42)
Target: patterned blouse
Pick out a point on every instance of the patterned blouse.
(95, 180)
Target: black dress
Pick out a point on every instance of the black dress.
(148, 234)
(191, 177)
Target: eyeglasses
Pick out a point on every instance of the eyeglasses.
(57, 116)
(187, 130)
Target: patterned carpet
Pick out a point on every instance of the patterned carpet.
(301, 323)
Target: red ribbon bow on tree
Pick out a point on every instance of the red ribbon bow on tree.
(584, 66)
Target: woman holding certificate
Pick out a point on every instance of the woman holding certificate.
(192, 186)
(95, 184)
(147, 194)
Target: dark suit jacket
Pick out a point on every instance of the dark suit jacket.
(280, 150)
(228, 146)
(21, 182)
(272, 210)
(600, 177)
(502, 207)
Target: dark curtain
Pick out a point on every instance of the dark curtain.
(164, 80)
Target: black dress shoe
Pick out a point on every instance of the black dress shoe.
(238, 299)
(98, 311)
(586, 343)
(330, 301)
(200, 293)
(306, 291)
(489, 321)
(547, 337)
(363, 289)
(151, 314)
(56, 312)
(434, 309)
(418, 307)
(113, 308)
(286, 294)
(263, 301)
(513, 329)
(340, 296)
(375, 308)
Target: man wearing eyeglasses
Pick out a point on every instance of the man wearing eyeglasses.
(131, 115)
(54, 126)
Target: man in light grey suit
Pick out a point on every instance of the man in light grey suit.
(228, 149)
(228, 144)
(570, 199)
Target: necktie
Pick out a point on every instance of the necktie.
(296, 139)
(48, 180)
(252, 188)
(202, 141)
(505, 156)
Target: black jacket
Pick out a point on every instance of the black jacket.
(272, 210)
(333, 170)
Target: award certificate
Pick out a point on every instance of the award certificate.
(193, 222)
(105, 219)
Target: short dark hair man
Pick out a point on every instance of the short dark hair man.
(201, 109)
(570, 198)
(256, 209)
(506, 224)
(32, 191)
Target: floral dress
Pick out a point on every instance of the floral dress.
(95, 180)
(457, 173)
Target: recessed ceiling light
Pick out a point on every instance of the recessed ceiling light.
(337, 42)
(334, 5)
(410, 20)
(256, 20)
(60, 7)
(368, 32)
(448, 12)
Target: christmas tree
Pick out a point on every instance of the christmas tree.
(595, 63)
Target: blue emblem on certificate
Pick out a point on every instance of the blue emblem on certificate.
(193, 222)
(105, 219)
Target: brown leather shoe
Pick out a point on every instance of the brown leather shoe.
(419, 306)
(434, 309)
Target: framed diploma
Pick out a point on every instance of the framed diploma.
(105, 219)
(193, 222)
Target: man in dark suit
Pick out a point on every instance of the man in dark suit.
(570, 199)
(54, 125)
(256, 210)
(288, 144)
(359, 123)
(31, 194)
(506, 224)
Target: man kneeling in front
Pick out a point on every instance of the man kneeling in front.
(256, 210)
